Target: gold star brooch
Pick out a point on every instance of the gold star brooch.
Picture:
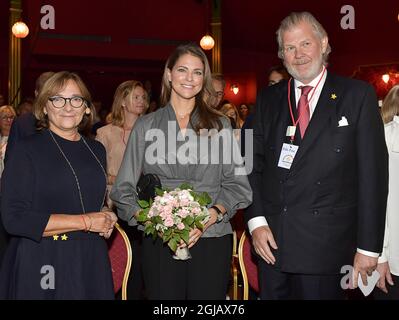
(333, 96)
(64, 237)
(55, 237)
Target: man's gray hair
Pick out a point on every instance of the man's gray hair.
(293, 20)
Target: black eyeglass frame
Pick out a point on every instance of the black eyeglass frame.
(52, 99)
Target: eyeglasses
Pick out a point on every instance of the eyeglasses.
(9, 118)
(59, 102)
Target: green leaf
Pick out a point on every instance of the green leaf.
(185, 235)
(186, 186)
(157, 220)
(167, 235)
(189, 220)
(143, 204)
(199, 225)
(172, 244)
(142, 217)
(159, 192)
(149, 229)
(204, 199)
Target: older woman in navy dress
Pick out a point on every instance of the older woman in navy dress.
(53, 191)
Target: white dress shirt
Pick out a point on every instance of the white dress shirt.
(390, 251)
(313, 98)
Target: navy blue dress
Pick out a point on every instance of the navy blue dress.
(36, 183)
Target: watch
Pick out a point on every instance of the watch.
(219, 212)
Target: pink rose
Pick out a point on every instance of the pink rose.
(180, 226)
(169, 221)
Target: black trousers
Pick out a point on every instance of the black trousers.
(393, 291)
(4, 239)
(203, 277)
(277, 285)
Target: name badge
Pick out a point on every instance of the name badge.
(287, 155)
(291, 131)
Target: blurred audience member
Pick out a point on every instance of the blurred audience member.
(152, 107)
(388, 262)
(25, 125)
(7, 116)
(230, 110)
(25, 107)
(130, 102)
(2, 101)
(244, 111)
(219, 84)
(276, 74)
(152, 96)
(102, 115)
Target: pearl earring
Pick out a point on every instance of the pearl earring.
(88, 111)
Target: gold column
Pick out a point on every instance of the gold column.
(14, 72)
(216, 25)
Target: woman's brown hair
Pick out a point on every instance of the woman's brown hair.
(208, 117)
(51, 87)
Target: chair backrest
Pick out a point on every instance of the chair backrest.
(120, 255)
(248, 265)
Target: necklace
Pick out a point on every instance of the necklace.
(74, 173)
(181, 115)
(123, 135)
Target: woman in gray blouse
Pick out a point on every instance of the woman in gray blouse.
(186, 141)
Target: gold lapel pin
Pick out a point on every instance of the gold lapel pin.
(64, 237)
(333, 96)
(55, 237)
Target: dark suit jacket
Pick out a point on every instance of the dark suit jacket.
(22, 127)
(333, 199)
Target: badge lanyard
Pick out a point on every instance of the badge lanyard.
(295, 123)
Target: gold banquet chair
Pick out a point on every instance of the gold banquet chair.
(235, 267)
(248, 266)
(120, 255)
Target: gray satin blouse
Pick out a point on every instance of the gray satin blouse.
(157, 146)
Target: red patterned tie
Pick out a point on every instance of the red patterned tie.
(303, 109)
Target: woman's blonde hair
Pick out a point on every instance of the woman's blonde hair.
(390, 106)
(117, 117)
(9, 108)
(52, 87)
(208, 117)
(230, 106)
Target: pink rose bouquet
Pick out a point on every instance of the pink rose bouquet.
(174, 213)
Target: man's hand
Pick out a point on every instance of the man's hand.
(385, 272)
(364, 265)
(262, 237)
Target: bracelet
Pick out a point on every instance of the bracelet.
(91, 221)
(84, 221)
(219, 214)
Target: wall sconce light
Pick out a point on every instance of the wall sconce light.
(385, 78)
(20, 29)
(234, 88)
(207, 42)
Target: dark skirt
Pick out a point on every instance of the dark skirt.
(75, 268)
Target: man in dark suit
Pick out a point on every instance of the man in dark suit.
(22, 127)
(25, 125)
(320, 173)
